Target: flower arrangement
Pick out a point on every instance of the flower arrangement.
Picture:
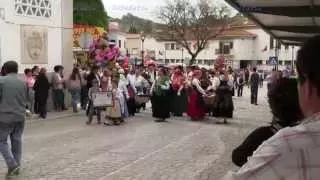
(220, 63)
(101, 53)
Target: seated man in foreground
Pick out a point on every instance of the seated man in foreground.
(293, 153)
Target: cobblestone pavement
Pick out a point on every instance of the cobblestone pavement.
(67, 149)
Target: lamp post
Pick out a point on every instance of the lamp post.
(182, 55)
(142, 36)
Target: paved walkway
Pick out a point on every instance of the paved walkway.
(63, 147)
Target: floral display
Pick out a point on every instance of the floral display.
(101, 53)
(220, 63)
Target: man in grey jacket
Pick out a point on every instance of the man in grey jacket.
(13, 99)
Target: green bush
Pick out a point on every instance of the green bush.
(90, 12)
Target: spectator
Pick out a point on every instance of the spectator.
(30, 83)
(13, 98)
(254, 84)
(284, 103)
(293, 153)
(35, 71)
(41, 88)
(84, 89)
(75, 88)
(58, 88)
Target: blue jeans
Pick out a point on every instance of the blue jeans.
(76, 95)
(13, 130)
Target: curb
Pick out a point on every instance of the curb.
(55, 117)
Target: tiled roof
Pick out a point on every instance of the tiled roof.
(236, 33)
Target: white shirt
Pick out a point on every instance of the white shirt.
(196, 83)
(291, 154)
(132, 78)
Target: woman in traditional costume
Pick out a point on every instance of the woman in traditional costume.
(223, 106)
(160, 97)
(106, 78)
(113, 114)
(123, 93)
(131, 77)
(196, 106)
(179, 98)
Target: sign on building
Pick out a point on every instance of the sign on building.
(273, 60)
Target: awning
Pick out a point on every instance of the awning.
(290, 21)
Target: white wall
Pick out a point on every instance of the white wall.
(262, 40)
(116, 35)
(57, 50)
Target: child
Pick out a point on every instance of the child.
(114, 112)
(94, 110)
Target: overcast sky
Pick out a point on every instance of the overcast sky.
(143, 8)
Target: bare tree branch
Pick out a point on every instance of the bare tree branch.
(187, 22)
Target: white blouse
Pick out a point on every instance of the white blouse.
(196, 83)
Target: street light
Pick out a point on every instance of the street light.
(182, 55)
(142, 37)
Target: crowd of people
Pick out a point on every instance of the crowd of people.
(188, 90)
(192, 91)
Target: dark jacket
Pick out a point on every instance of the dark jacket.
(254, 80)
(90, 78)
(250, 144)
(41, 87)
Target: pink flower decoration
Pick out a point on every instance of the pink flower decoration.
(99, 58)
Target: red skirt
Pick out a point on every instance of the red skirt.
(196, 110)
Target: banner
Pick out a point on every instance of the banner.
(96, 32)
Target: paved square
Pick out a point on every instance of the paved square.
(67, 149)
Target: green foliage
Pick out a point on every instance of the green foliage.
(90, 12)
(133, 29)
(140, 24)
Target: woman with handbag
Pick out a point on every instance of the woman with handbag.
(196, 106)
(160, 97)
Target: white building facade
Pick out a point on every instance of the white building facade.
(243, 46)
(37, 32)
(117, 36)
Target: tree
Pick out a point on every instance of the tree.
(133, 29)
(193, 25)
(90, 13)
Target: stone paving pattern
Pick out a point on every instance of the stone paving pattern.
(67, 149)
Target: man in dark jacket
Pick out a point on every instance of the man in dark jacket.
(254, 83)
(13, 100)
(90, 78)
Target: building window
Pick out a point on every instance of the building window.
(271, 43)
(172, 46)
(119, 43)
(224, 47)
(172, 60)
(178, 46)
(200, 61)
(286, 47)
(124, 44)
(167, 46)
(167, 61)
(34, 8)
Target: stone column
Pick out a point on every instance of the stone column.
(67, 34)
(67, 41)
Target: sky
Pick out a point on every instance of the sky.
(146, 9)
